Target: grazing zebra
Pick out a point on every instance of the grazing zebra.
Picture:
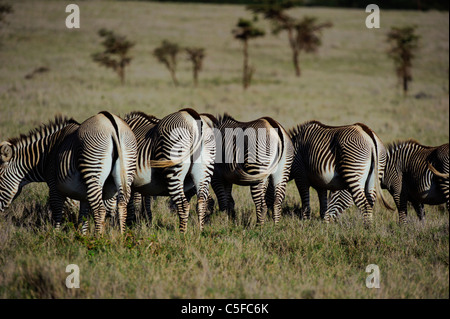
(175, 156)
(89, 162)
(415, 173)
(336, 158)
(418, 174)
(252, 154)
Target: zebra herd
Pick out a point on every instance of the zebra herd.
(107, 162)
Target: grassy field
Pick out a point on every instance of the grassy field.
(350, 80)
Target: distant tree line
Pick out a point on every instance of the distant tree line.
(303, 35)
(383, 4)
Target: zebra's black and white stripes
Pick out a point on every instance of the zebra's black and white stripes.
(90, 162)
(175, 154)
(337, 158)
(105, 160)
(418, 174)
(252, 154)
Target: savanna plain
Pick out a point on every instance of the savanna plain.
(349, 80)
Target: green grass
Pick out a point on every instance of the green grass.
(350, 80)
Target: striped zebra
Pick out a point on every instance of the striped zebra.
(414, 173)
(418, 174)
(89, 162)
(252, 154)
(175, 157)
(335, 158)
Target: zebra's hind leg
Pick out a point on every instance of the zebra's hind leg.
(338, 202)
(258, 194)
(201, 177)
(122, 210)
(176, 192)
(182, 209)
(276, 192)
(363, 204)
(94, 195)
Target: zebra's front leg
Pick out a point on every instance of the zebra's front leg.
(56, 201)
(303, 190)
(135, 201)
(420, 211)
(223, 191)
(323, 201)
(402, 207)
(83, 223)
(147, 207)
(258, 194)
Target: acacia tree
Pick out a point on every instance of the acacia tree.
(244, 31)
(115, 45)
(403, 44)
(303, 35)
(196, 56)
(167, 55)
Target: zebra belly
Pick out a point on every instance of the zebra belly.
(73, 187)
(150, 182)
(328, 179)
(430, 196)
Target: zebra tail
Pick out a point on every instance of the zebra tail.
(116, 140)
(170, 163)
(123, 174)
(436, 172)
(246, 177)
(378, 189)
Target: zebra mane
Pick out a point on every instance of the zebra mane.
(395, 145)
(225, 118)
(43, 130)
(296, 130)
(138, 114)
(292, 132)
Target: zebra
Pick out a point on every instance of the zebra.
(89, 162)
(162, 173)
(252, 154)
(336, 158)
(414, 173)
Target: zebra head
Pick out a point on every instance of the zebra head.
(9, 179)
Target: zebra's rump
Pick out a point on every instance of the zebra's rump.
(248, 152)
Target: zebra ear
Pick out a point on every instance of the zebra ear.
(6, 151)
